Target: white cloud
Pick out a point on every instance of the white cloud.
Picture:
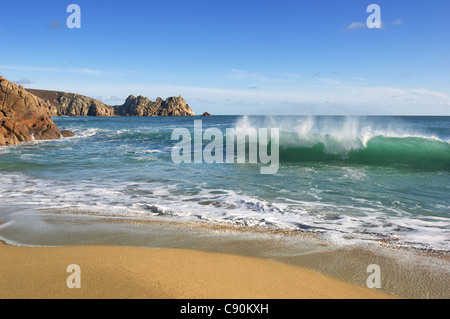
(362, 25)
(319, 95)
(359, 79)
(330, 81)
(23, 81)
(51, 69)
(315, 99)
(430, 93)
(110, 99)
(238, 74)
(355, 25)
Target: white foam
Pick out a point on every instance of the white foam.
(342, 225)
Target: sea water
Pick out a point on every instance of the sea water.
(346, 179)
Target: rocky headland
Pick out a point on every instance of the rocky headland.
(24, 117)
(26, 114)
(70, 104)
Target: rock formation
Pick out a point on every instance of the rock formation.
(23, 116)
(142, 106)
(206, 114)
(67, 133)
(26, 114)
(70, 104)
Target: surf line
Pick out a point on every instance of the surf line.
(237, 142)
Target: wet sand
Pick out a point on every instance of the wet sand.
(132, 272)
(200, 260)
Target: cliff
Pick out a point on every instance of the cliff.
(24, 117)
(70, 104)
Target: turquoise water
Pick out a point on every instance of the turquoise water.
(349, 179)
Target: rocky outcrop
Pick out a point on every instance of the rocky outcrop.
(69, 104)
(67, 133)
(206, 114)
(23, 116)
(142, 106)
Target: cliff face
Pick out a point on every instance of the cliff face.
(70, 104)
(73, 104)
(23, 116)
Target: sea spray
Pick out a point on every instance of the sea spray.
(237, 149)
(355, 140)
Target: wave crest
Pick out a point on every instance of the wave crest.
(354, 140)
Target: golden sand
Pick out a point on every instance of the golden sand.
(131, 272)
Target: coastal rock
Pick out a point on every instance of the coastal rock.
(142, 106)
(70, 104)
(175, 106)
(206, 114)
(67, 133)
(23, 116)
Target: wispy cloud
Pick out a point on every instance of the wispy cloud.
(23, 81)
(361, 25)
(346, 98)
(355, 26)
(430, 93)
(396, 22)
(111, 99)
(238, 74)
(359, 79)
(330, 81)
(51, 69)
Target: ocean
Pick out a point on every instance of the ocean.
(348, 180)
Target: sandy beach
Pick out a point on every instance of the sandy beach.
(131, 272)
(224, 150)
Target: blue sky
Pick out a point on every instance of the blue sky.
(237, 57)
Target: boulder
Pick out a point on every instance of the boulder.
(67, 133)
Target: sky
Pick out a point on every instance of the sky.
(237, 57)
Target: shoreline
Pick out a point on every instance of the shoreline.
(133, 272)
(405, 273)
